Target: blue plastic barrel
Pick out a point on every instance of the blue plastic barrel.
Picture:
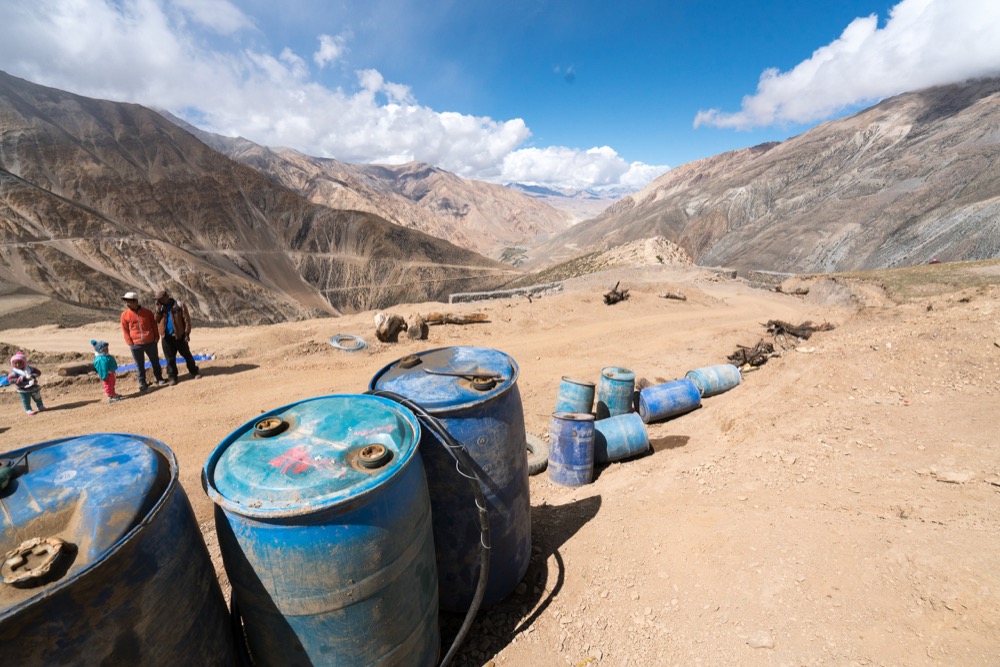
(324, 524)
(712, 380)
(575, 396)
(620, 437)
(663, 401)
(473, 391)
(571, 448)
(120, 574)
(614, 392)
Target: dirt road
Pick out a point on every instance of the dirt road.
(840, 507)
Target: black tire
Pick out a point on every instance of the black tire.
(538, 454)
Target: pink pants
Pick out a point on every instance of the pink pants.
(109, 384)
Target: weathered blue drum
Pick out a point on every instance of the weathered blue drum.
(614, 392)
(103, 561)
(621, 437)
(712, 380)
(575, 396)
(571, 448)
(663, 401)
(473, 391)
(325, 529)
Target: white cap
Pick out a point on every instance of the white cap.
(130, 296)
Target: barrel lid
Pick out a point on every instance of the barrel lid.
(583, 383)
(449, 378)
(618, 373)
(309, 455)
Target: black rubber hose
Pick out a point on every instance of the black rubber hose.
(464, 460)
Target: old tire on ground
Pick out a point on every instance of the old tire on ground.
(538, 454)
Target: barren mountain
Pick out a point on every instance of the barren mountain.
(910, 179)
(99, 197)
(478, 216)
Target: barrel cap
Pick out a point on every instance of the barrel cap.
(449, 378)
(618, 374)
(310, 455)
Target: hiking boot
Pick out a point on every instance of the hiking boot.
(143, 387)
(172, 381)
(196, 376)
(30, 413)
(161, 382)
(114, 399)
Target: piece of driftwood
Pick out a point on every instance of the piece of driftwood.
(673, 295)
(752, 356)
(74, 369)
(450, 318)
(615, 295)
(803, 331)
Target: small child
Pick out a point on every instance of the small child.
(25, 378)
(105, 366)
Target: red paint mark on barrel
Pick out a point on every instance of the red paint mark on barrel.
(295, 459)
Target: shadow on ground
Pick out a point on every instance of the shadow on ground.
(496, 627)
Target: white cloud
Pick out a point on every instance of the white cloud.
(575, 169)
(156, 53)
(330, 49)
(923, 43)
(220, 16)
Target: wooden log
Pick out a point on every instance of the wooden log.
(673, 295)
(74, 368)
(450, 318)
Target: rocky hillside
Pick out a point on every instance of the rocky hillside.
(482, 217)
(98, 197)
(910, 179)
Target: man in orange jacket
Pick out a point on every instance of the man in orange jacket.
(141, 334)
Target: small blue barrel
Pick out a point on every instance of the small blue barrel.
(575, 396)
(473, 391)
(621, 437)
(712, 380)
(324, 524)
(663, 401)
(571, 448)
(105, 560)
(614, 393)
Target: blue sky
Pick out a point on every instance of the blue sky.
(564, 94)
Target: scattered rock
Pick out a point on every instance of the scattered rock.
(954, 477)
(761, 639)
(388, 326)
(416, 327)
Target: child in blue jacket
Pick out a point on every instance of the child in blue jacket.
(105, 366)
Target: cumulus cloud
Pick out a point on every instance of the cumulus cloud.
(168, 54)
(330, 49)
(575, 169)
(923, 43)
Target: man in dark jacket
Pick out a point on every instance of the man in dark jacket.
(174, 322)
(140, 333)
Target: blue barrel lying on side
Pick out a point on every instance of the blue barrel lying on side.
(473, 391)
(571, 448)
(614, 392)
(663, 401)
(105, 564)
(712, 380)
(620, 437)
(325, 529)
(575, 396)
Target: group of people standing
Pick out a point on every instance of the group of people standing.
(169, 323)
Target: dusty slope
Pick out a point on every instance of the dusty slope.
(808, 507)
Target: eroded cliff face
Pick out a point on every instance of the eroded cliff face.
(97, 198)
(912, 178)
